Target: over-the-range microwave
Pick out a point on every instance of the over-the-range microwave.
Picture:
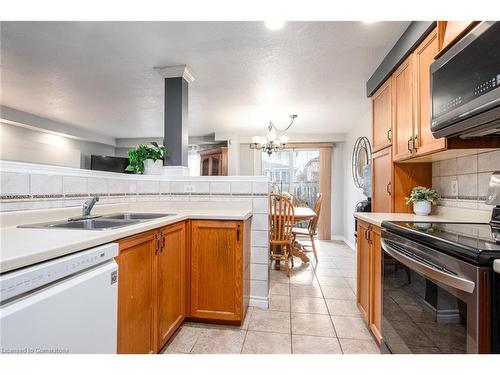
(465, 85)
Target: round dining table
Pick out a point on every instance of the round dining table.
(300, 214)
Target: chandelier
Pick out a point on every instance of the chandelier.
(271, 142)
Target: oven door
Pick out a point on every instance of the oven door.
(430, 300)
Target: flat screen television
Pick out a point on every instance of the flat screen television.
(109, 163)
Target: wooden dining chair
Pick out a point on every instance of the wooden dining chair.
(281, 219)
(311, 231)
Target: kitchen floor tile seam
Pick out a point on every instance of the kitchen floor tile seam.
(329, 314)
(244, 340)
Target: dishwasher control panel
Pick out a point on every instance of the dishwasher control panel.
(17, 282)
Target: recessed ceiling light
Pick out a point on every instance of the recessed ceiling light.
(275, 24)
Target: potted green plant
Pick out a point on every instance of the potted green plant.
(147, 159)
(422, 198)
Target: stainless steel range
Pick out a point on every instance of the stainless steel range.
(440, 291)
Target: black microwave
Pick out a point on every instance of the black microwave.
(465, 85)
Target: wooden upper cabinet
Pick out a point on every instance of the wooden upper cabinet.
(363, 269)
(135, 294)
(170, 281)
(423, 57)
(213, 162)
(402, 97)
(217, 264)
(382, 117)
(382, 185)
(449, 32)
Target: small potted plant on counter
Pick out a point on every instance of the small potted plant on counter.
(147, 159)
(422, 198)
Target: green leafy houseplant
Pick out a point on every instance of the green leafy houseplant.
(140, 153)
(419, 194)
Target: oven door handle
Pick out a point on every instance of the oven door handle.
(433, 273)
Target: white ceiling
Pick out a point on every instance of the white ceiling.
(99, 75)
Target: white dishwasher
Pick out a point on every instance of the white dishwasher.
(65, 305)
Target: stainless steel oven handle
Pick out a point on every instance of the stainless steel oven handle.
(433, 273)
(496, 265)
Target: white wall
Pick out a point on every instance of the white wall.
(29, 145)
(352, 194)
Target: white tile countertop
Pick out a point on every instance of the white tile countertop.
(21, 247)
(440, 214)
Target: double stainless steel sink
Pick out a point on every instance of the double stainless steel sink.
(104, 222)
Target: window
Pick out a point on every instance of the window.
(295, 171)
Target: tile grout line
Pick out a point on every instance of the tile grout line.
(329, 315)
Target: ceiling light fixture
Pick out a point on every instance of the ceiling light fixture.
(271, 142)
(275, 24)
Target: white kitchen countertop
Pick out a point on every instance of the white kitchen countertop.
(21, 247)
(440, 214)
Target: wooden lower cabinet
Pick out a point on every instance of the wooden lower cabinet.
(170, 288)
(369, 277)
(363, 271)
(218, 270)
(135, 293)
(198, 269)
(375, 284)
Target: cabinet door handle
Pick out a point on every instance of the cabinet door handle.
(415, 142)
(409, 144)
(162, 242)
(238, 234)
(157, 244)
(388, 188)
(389, 134)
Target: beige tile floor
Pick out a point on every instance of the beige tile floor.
(312, 312)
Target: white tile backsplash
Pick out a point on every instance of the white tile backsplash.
(148, 187)
(74, 185)
(98, 186)
(260, 222)
(261, 187)
(472, 173)
(259, 272)
(118, 186)
(14, 183)
(220, 187)
(44, 184)
(259, 255)
(261, 205)
(259, 237)
(165, 187)
(489, 161)
(244, 187)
